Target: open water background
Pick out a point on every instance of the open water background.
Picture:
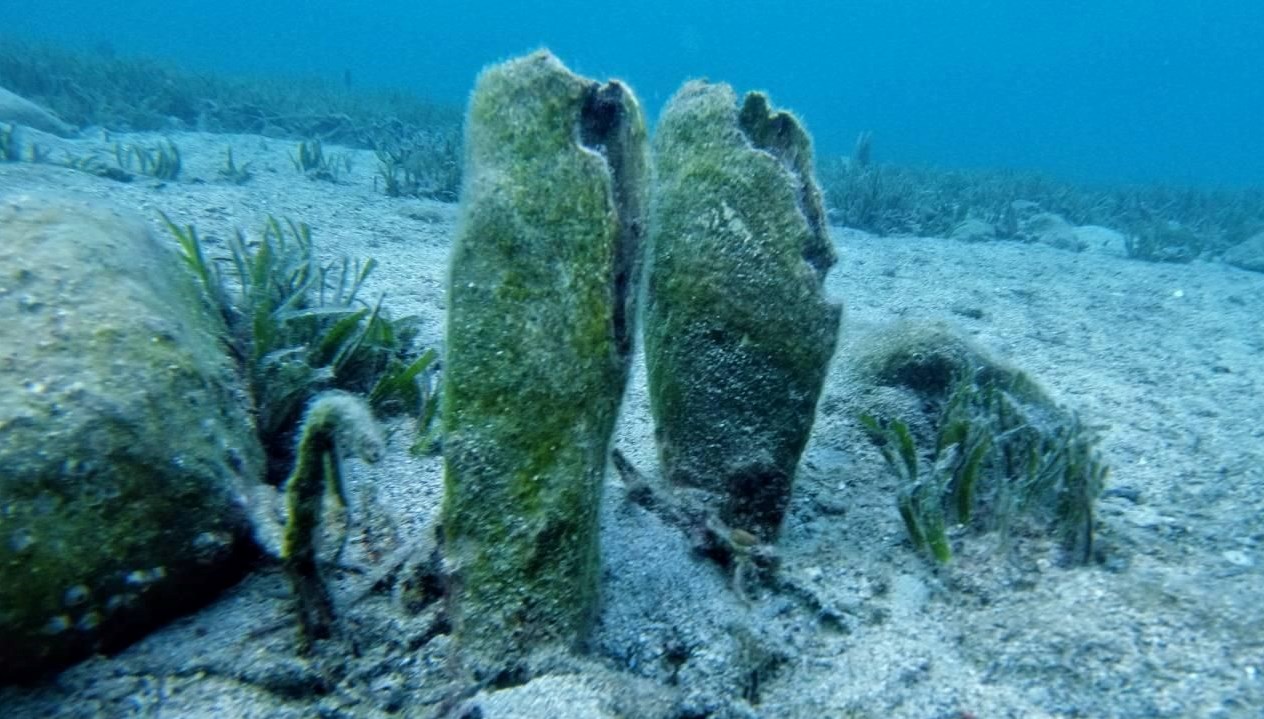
(1087, 90)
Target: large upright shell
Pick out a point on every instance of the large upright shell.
(738, 331)
(540, 323)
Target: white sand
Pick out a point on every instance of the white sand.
(1170, 358)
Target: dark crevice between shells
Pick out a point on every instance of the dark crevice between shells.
(607, 128)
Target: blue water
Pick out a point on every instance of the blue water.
(1087, 90)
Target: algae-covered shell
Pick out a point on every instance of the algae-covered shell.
(541, 315)
(124, 435)
(738, 330)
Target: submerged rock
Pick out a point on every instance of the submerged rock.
(738, 331)
(974, 230)
(1248, 254)
(21, 111)
(1050, 229)
(539, 337)
(1102, 240)
(999, 447)
(124, 436)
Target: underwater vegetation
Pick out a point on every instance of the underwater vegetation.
(10, 147)
(92, 164)
(995, 449)
(336, 424)
(137, 94)
(425, 164)
(299, 328)
(1169, 224)
(307, 343)
(310, 159)
(161, 162)
(1158, 240)
(232, 172)
(419, 152)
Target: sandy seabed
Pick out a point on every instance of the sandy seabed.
(1169, 623)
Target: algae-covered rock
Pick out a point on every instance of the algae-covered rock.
(124, 444)
(926, 357)
(19, 110)
(1248, 254)
(539, 333)
(1102, 240)
(1050, 229)
(973, 441)
(738, 332)
(974, 230)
